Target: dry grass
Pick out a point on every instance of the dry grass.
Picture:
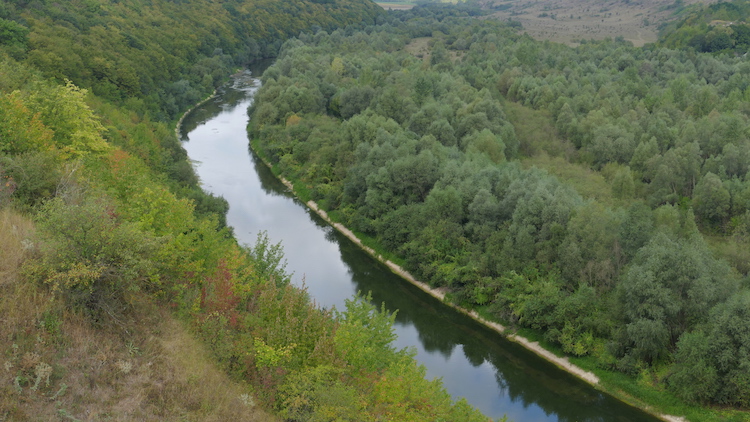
(160, 372)
(568, 21)
(14, 231)
(145, 368)
(536, 133)
(588, 183)
(419, 47)
(20, 304)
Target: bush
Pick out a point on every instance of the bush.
(34, 176)
(89, 256)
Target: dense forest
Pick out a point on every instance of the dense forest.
(106, 236)
(597, 194)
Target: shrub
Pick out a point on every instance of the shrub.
(88, 256)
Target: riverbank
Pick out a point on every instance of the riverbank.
(188, 111)
(439, 294)
(533, 346)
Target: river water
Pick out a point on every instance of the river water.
(495, 375)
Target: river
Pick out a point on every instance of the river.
(495, 375)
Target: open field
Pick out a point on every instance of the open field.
(568, 21)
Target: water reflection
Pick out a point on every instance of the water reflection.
(495, 375)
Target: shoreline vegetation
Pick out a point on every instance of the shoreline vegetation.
(624, 278)
(178, 125)
(440, 294)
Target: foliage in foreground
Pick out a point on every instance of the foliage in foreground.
(112, 235)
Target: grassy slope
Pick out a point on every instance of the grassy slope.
(147, 367)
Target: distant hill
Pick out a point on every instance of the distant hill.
(720, 27)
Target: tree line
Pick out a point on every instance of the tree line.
(159, 58)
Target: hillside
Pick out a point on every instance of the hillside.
(717, 28)
(118, 275)
(166, 54)
(59, 366)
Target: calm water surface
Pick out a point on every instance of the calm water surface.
(497, 376)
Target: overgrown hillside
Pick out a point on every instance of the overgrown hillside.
(597, 195)
(58, 365)
(160, 56)
(718, 28)
(106, 238)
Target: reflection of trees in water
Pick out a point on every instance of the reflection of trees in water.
(371, 276)
(228, 99)
(268, 182)
(521, 375)
(200, 116)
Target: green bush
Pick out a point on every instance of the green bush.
(89, 257)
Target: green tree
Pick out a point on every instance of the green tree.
(695, 378)
(89, 257)
(711, 364)
(317, 394)
(711, 199)
(21, 130)
(76, 129)
(14, 37)
(485, 142)
(365, 335)
(355, 100)
(623, 186)
(668, 289)
(636, 229)
(268, 259)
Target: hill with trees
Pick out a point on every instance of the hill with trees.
(167, 54)
(718, 28)
(597, 194)
(121, 289)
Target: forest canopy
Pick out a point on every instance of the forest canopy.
(160, 57)
(426, 150)
(721, 27)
